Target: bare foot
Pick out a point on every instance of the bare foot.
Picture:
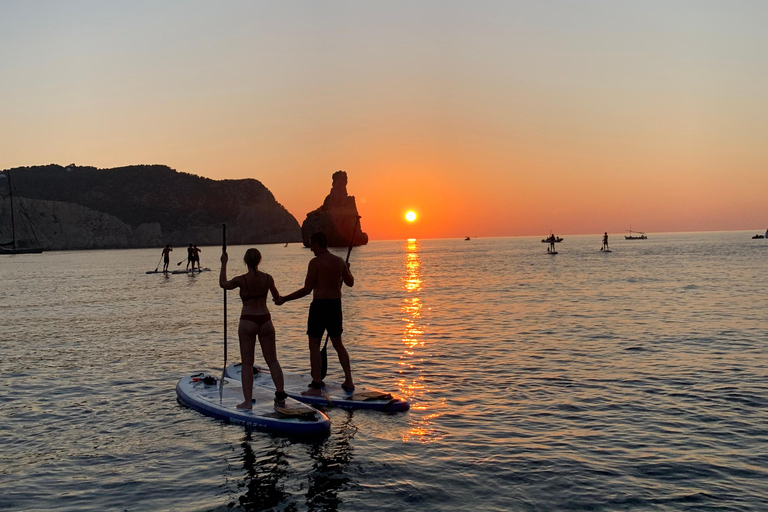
(347, 386)
(244, 405)
(312, 392)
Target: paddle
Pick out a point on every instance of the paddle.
(324, 351)
(223, 371)
(182, 261)
(158, 263)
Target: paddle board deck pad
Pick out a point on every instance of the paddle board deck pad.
(334, 395)
(190, 271)
(201, 392)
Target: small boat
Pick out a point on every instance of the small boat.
(467, 238)
(12, 247)
(758, 237)
(635, 237)
(549, 240)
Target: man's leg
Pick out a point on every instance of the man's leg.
(344, 360)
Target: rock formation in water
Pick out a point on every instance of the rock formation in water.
(336, 217)
(75, 207)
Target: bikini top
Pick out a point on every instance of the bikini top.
(246, 295)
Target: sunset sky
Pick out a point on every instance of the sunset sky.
(487, 118)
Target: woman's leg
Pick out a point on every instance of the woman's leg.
(247, 347)
(269, 351)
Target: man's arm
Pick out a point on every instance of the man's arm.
(309, 285)
(347, 276)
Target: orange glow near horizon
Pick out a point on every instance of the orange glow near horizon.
(601, 130)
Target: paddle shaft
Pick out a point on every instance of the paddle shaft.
(224, 250)
(158, 263)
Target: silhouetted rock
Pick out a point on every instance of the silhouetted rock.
(337, 217)
(139, 206)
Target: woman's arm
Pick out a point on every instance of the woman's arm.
(273, 289)
(227, 285)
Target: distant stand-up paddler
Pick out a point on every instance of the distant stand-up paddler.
(166, 257)
(196, 257)
(190, 257)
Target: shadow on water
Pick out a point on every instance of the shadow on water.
(267, 475)
(331, 460)
(264, 478)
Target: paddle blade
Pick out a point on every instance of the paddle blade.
(324, 362)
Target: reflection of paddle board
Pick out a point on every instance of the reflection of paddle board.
(193, 392)
(360, 398)
(190, 271)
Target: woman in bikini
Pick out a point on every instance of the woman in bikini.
(255, 322)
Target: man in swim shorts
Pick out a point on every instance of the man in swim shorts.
(325, 274)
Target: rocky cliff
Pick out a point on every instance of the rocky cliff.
(75, 207)
(337, 217)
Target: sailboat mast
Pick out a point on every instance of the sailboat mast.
(10, 197)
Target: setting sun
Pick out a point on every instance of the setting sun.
(410, 216)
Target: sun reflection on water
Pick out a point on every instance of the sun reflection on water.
(412, 384)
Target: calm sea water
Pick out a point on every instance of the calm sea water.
(635, 380)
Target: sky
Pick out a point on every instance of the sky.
(487, 118)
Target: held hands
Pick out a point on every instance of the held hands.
(224, 258)
(278, 300)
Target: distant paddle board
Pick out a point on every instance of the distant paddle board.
(551, 252)
(605, 250)
(190, 271)
(303, 420)
(154, 272)
(334, 396)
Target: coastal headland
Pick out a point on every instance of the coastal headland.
(77, 207)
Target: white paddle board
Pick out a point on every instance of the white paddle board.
(333, 395)
(300, 420)
(190, 271)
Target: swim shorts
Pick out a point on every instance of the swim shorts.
(324, 314)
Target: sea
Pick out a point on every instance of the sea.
(635, 379)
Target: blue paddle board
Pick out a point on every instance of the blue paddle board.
(333, 394)
(190, 271)
(299, 420)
